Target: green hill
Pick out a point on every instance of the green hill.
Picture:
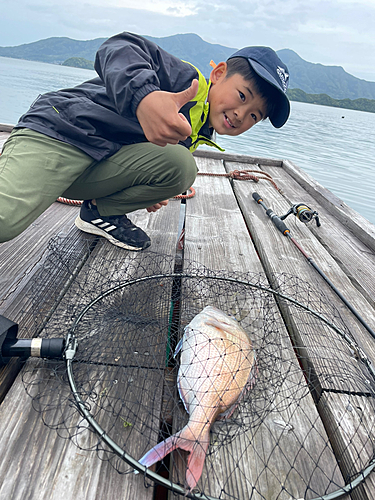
(57, 50)
(319, 79)
(191, 47)
(54, 50)
(325, 100)
(79, 62)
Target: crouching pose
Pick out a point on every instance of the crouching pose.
(124, 140)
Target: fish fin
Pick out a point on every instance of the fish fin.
(183, 440)
(159, 451)
(181, 396)
(196, 461)
(178, 347)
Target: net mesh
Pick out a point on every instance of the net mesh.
(305, 427)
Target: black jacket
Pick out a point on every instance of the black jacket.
(98, 116)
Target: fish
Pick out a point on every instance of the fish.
(217, 367)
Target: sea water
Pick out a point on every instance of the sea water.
(335, 146)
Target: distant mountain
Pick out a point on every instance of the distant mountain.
(54, 50)
(190, 47)
(318, 79)
(57, 50)
(309, 77)
(360, 104)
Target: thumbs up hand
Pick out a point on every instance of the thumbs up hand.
(159, 117)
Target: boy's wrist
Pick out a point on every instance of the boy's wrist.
(140, 94)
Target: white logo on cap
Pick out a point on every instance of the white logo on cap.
(284, 77)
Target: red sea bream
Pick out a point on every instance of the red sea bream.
(217, 366)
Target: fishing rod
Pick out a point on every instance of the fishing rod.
(281, 226)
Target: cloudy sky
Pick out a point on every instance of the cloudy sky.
(331, 32)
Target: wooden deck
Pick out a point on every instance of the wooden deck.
(224, 230)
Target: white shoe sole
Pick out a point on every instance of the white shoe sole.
(90, 228)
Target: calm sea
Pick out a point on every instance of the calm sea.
(335, 146)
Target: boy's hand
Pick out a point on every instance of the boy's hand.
(157, 206)
(159, 117)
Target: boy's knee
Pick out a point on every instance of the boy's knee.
(181, 167)
(7, 231)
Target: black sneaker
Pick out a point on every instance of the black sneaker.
(118, 229)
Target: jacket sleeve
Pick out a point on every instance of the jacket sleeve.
(131, 67)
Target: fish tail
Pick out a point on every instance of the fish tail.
(159, 451)
(183, 440)
(196, 460)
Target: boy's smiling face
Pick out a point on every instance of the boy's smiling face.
(235, 106)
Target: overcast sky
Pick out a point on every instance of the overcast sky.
(331, 32)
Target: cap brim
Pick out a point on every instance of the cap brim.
(282, 110)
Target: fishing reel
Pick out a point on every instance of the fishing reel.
(304, 213)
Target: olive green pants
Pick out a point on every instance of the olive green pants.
(35, 170)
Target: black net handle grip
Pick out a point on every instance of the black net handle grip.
(280, 224)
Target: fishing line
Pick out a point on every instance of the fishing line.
(281, 226)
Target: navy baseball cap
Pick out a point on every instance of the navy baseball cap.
(267, 64)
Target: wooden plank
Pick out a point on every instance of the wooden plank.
(215, 235)
(287, 259)
(20, 256)
(252, 464)
(4, 127)
(249, 160)
(20, 262)
(351, 419)
(39, 463)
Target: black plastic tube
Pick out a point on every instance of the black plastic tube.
(41, 348)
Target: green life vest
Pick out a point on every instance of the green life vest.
(198, 115)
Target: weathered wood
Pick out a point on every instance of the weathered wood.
(216, 236)
(287, 259)
(20, 256)
(39, 463)
(20, 263)
(6, 128)
(245, 159)
(347, 418)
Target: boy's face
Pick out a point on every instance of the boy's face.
(234, 104)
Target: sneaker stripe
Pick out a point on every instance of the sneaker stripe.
(111, 228)
(104, 225)
(96, 221)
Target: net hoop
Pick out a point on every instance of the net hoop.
(71, 347)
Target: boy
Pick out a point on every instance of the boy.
(123, 141)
